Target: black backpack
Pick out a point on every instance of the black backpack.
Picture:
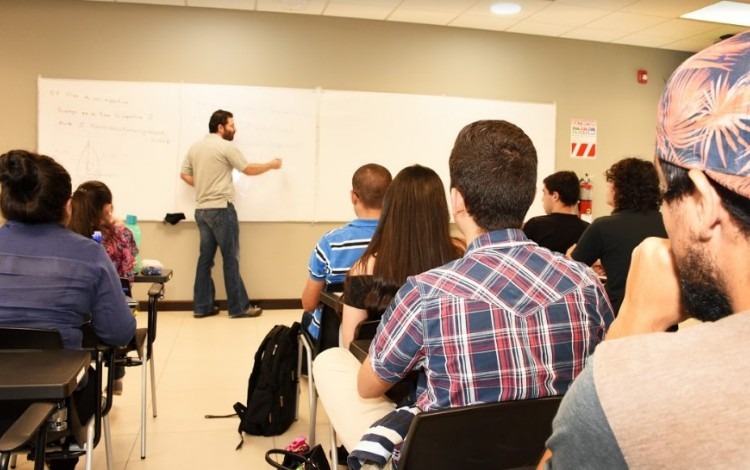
(272, 387)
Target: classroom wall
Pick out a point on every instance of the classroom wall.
(114, 41)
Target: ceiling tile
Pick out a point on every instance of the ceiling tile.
(528, 7)
(179, 3)
(542, 29)
(666, 8)
(569, 15)
(609, 5)
(228, 4)
(626, 22)
(593, 34)
(489, 22)
(309, 7)
(679, 29)
(371, 10)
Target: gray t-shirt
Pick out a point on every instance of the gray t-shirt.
(210, 161)
(582, 438)
(661, 400)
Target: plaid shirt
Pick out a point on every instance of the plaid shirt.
(508, 321)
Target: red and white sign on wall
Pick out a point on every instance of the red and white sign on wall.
(582, 138)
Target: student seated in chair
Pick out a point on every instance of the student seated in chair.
(338, 249)
(413, 236)
(51, 277)
(507, 321)
(91, 210)
(649, 399)
(561, 227)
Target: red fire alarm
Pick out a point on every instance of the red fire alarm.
(642, 76)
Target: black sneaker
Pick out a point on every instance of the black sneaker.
(214, 311)
(250, 312)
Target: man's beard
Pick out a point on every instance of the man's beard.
(228, 136)
(702, 288)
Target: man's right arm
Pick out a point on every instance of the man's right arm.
(311, 294)
(652, 292)
(254, 169)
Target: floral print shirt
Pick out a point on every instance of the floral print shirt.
(122, 250)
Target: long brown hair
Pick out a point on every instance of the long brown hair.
(87, 209)
(413, 234)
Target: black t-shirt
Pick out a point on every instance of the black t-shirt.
(612, 240)
(356, 289)
(555, 231)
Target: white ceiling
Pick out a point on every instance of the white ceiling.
(647, 23)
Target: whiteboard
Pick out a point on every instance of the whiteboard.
(398, 130)
(134, 135)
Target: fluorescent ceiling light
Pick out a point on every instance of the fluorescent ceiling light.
(722, 12)
(505, 8)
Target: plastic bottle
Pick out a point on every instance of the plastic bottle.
(131, 222)
(97, 236)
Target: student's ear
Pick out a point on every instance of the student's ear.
(707, 211)
(354, 197)
(457, 202)
(68, 212)
(555, 196)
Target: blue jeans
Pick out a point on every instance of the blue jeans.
(219, 228)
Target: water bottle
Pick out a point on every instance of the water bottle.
(131, 222)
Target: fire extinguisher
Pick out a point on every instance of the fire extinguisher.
(584, 199)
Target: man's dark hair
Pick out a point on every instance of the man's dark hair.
(369, 183)
(679, 185)
(565, 184)
(636, 185)
(35, 188)
(493, 166)
(219, 117)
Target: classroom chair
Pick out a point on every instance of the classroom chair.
(500, 435)
(142, 345)
(330, 323)
(29, 431)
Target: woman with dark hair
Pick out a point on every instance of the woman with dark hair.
(413, 236)
(50, 277)
(633, 192)
(92, 211)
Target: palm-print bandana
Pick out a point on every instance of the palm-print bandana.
(703, 120)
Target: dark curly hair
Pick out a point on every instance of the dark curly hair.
(636, 185)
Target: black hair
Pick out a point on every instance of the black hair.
(219, 117)
(679, 185)
(636, 185)
(565, 184)
(35, 188)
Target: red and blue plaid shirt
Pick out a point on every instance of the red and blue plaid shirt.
(508, 321)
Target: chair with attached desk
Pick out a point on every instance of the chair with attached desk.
(501, 435)
(143, 346)
(29, 431)
(328, 337)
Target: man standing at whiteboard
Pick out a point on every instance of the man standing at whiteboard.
(208, 167)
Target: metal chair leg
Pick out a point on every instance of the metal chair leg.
(90, 444)
(108, 442)
(153, 384)
(144, 375)
(13, 460)
(312, 395)
(334, 453)
(299, 373)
